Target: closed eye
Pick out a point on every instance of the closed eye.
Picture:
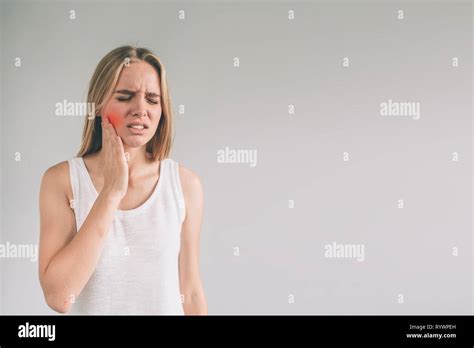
(123, 98)
(151, 101)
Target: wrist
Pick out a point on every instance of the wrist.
(111, 196)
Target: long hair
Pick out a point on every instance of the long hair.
(100, 89)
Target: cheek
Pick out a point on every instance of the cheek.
(115, 119)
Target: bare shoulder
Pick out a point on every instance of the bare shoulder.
(57, 172)
(190, 183)
(56, 178)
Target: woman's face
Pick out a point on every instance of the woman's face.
(135, 101)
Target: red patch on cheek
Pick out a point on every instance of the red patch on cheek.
(114, 119)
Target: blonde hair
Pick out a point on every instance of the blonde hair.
(100, 89)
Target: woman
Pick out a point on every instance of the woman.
(120, 223)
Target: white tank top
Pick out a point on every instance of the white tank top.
(137, 272)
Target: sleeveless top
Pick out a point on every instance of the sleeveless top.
(137, 272)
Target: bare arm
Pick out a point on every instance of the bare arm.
(67, 259)
(189, 277)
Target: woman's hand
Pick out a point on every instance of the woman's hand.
(114, 162)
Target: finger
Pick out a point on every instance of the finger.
(104, 129)
(119, 144)
(121, 149)
(102, 123)
(112, 128)
(110, 131)
(106, 135)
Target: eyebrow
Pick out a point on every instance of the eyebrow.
(128, 92)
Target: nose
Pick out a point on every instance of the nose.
(139, 107)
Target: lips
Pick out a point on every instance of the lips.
(137, 131)
(137, 125)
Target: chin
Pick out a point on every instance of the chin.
(134, 142)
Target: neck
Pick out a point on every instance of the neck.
(137, 158)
